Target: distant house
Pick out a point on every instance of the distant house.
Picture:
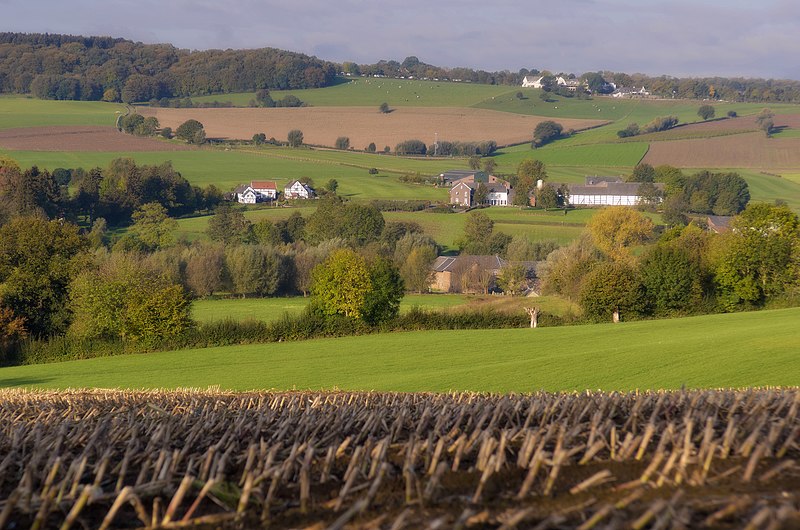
(463, 193)
(626, 92)
(466, 274)
(719, 223)
(245, 194)
(607, 191)
(449, 178)
(297, 190)
(532, 81)
(265, 188)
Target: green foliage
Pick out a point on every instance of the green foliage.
(546, 132)
(206, 270)
(228, 225)
(371, 149)
(478, 230)
(765, 122)
(612, 287)
(513, 278)
(759, 258)
(124, 299)
(340, 284)
(411, 147)
(643, 172)
(547, 196)
(38, 260)
(564, 270)
(295, 138)
(354, 222)
(706, 112)
(188, 130)
(661, 123)
(631, 130)
(254, 269)
(343, 143)
(672, 280)
(614, 230)
(154, 228)
(259, 139)
(416, 268)
(382, 301)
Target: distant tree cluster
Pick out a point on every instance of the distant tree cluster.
(658, 124)
(545, 132)
(95, 68)
(446, 148)
(411, 147)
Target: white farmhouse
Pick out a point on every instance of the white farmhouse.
(266, 189)
(607, 191)
(245, 194)
(532, 81)
(297, 190)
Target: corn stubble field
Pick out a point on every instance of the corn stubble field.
(686, 459)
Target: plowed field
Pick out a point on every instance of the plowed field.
(80, 138)
(322, 125)
(748, 150)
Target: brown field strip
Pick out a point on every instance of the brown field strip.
(193, 459)
(750, 150)
(322, 125)
(80, 138)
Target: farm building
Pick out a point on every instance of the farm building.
(463, 193)
(474, 274)
(530, 81)
(607, 191)
(297, 190)
(450, 178)
(245, 194)
(265, 188)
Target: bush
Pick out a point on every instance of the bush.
(343, 143)
(411, 147)
(545, 132)
(188, 130)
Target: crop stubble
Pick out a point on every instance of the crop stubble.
(85, 138)
(688, 459)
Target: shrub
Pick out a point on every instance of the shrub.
(411, 147)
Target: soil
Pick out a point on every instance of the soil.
(322, 125)
(81, 138)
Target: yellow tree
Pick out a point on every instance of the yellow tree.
(341, 283)
(616, 229)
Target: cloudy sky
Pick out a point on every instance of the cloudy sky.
(751, 38)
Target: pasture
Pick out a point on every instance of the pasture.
(19, 111)
(713, 351)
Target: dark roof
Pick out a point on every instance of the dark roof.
(496, 187)
(451, 263)
(240, 188)
(594, 179)
(458, 174)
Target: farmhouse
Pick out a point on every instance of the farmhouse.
(265, 188)
(625, 92)
(532, 81)
(463, 193)
(245, 194)
(297, 190)
(466, 274)
(607, 191)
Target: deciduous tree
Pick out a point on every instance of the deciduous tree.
(341, 283)
(614, 230)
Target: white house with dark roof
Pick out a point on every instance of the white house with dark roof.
(245, 194)
(530, 81)
(297, 190)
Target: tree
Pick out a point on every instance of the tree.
(38, 260)
(529, 172)
(706, 112)
(228, 225)
(153, 227)
(371, 147)
(545, 132)
(612, 289)
(671, 279)
(343, 143)
(340, 284)
(547, 197)
(166, 132)
(474, 162)
(259, 138)
(617, 228)
(478, 230)
(295, 138)
(382, 301)
(123, 298)
(384, 108)
(489, 165)
(513, 278)
(759, 258)
(564, 269)
(332, 185)
(254, 269)
(481, 193)
(416, 269)
(264, 99)
(188, 130)
(642, 172)
(765, 122)
(205, 270)
(631, 130)
(411, 147)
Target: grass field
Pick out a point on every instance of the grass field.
(16, 111)
(734, 350)
(269, 309)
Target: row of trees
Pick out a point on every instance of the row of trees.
(687, 270)
(95, 68)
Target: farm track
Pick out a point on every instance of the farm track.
(687, 459)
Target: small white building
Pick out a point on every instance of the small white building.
(245, 194)
(499, 194)
(530, 81)
(297, 190)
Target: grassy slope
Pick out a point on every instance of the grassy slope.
(744, 349)
(16, 111)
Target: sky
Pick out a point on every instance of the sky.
(733, 38)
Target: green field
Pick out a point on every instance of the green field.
(16, 111)
(735, 350)
(269, 309)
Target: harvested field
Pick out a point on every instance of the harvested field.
(722, 127)
(322, 125)
(102, 459)
(80, 138)
(749, 150)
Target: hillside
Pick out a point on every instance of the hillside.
(733, 350)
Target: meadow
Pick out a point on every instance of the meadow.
(713, 351)
(17, 111)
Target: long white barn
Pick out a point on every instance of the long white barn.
(606, 192)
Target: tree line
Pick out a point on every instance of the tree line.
(101, 68)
